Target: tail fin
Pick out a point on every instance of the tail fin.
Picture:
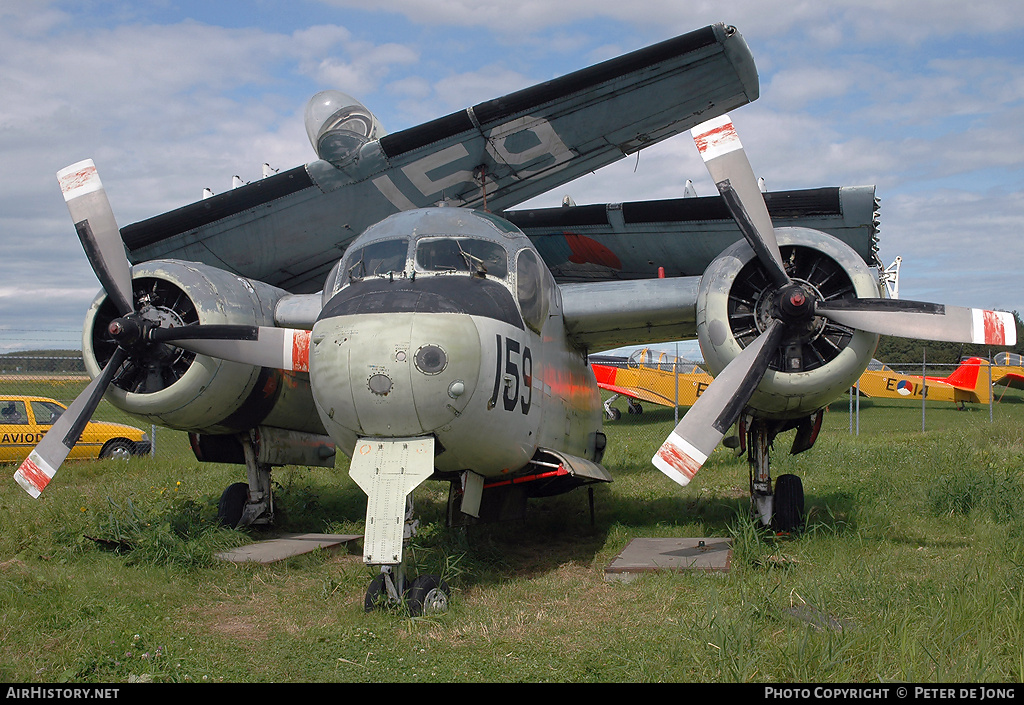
(969, 378)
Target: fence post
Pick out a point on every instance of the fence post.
(924, 384)
(675, 375)
(991, 392)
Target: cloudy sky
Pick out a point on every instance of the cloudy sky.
(924, 99)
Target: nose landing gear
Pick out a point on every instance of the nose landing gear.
(388, 470)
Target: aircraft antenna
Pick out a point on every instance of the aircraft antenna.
(482, 173)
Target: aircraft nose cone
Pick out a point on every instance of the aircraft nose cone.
(394, 374)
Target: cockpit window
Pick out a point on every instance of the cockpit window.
(530, 290)
(449, 254)
(376, 259)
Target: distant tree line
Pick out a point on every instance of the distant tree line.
(42, 362)
(904, 350)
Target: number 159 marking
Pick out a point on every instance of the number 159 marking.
(514, 365)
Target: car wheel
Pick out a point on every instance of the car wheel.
(119, 448)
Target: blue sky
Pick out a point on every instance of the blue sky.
(925, 100)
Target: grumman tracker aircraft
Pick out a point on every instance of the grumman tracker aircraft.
(450, 343)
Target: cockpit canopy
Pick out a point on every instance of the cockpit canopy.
(448, 242)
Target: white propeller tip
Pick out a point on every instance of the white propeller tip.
(79, 179)
(716, 137)
(678, 459)
(994, 328)
(34, 474)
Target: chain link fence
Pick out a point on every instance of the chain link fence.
(934, 395)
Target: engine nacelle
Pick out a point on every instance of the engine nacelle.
(172, 387)
(813, 365)
(338, 125)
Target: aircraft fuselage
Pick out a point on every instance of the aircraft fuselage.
(451, 329)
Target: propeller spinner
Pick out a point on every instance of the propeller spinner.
(794, 306)
(134, 334)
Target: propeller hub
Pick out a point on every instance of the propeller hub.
(795, 304)
(126, 331)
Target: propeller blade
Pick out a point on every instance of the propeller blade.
(36, 471)
(280, 348)
(717, 409)
(97, 229)
(723, 154)
(926, 321)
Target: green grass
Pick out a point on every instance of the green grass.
(911, 568)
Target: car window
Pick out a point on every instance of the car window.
(13, 412)
(46, 412)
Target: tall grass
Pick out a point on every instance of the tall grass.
(911, 568)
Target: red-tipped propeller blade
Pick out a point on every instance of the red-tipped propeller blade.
(42, 464)
(726, 160)
(97, 229)
(717, 409)
(924, 321)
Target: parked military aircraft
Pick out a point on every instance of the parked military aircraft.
(661, 379)
(967, 383)
(1008, 371)
(440, 345)
(651, 376)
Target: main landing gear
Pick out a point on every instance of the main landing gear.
(613, 414)
(783, 509)
(248, 503)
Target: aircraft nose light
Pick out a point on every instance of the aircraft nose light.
(380, 384)
(431, 360)
(456, 389)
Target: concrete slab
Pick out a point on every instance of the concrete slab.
(285, 546)
(648, 555)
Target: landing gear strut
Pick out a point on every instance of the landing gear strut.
(252, 503)
(610, 411)
(783, 509)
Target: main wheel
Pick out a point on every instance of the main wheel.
(614, 414)
(428, 594)
(789, 504)
(232, 504)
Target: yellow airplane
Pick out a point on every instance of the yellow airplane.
(652, 376)
(649, 375)
(1008, 371)
(968, 383)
